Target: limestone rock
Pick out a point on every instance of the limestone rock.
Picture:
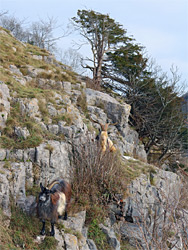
(5, 175)
(52, 111)
(77, 222)
(14, 154)
(17, 187)
(21, 80)
(29, 178)
(37, 57)
(65, 130)
(2, 154)
(67, 87)
(15, 70)
(75, 116)
(30, 205)
(28, 78)
(71, 242)
(111, 237)
(97, 113)
(4, 103)
(91, 245)
(82, 243)
(115, 111)
(53, 159)
(53, 128)
(59, 236)
(83, 85)
(29, 106)
(49, 59)
(148, 196)
(21, 132)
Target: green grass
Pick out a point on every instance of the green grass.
(49, 243)
(22, 232)
(95, 233)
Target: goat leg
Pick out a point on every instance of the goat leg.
(65, 215)
(52, 233)
(43, 232)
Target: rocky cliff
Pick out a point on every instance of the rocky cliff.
(45, 110)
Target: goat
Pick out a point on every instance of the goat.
(103, 137)
(53, 201)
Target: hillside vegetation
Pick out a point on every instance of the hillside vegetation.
(49, 120)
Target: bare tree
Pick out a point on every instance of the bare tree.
(14, 25)
(39, 33)
(72, 58)
(2, 13)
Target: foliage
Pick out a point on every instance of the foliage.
(96, 170)
(106, 175)
(103, 35)
(22, 232)
(156, 112)
(49, 243)
(95, 233)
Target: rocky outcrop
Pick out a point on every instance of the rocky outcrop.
(13, 180)
(149, 212)
(101, 107)
(115, 111)
(4, 104)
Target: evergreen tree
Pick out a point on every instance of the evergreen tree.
(103, 34)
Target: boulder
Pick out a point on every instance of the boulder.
(77, 222)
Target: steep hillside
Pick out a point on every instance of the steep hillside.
(49, 122)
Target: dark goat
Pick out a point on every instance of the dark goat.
(53, 201)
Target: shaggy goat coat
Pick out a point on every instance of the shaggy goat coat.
(54, 201)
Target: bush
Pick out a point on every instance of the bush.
(97, 176)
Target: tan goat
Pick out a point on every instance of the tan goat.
(105, 141)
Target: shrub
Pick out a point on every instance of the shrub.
(98, 176)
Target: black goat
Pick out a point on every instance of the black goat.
(53, 201)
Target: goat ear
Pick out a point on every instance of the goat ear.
(41, 187)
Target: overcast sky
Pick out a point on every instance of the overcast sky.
(160, 25)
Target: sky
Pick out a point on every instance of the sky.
(161, 26)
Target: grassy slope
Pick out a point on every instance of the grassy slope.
(22, 57)
(23, 230)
